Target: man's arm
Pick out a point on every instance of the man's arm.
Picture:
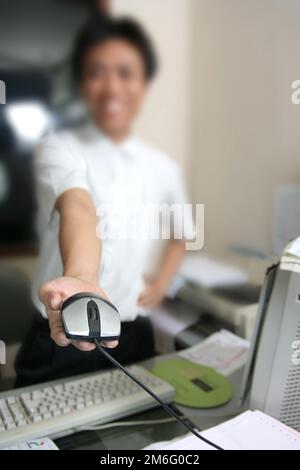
(80, 251)
(79, 245)
(155, 289)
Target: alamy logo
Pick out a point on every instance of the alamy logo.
(2, 352)
(2, 92)
(120, 221)
(295, 358)
(295, 96)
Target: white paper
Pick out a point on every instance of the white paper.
(224, 351)
(184, 443)
(251, 430)
(293, 248)
(34, 444)
(208, 272)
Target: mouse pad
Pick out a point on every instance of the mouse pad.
(196, 385)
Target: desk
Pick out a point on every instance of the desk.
(137, 437)
(124, 438)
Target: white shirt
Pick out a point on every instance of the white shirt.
(122, 176)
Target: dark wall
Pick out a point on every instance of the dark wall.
(36, 38)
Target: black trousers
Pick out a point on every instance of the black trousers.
(40, 359)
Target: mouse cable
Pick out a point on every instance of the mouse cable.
(166, 407)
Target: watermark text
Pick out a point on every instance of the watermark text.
(2, 92)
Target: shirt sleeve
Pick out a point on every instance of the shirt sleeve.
(182, 224)
(58, 166)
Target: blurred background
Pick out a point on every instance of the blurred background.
(221, 106)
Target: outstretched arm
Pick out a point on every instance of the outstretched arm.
(80, 251)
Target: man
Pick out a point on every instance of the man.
(100, 167)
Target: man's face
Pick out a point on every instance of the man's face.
(113, 84)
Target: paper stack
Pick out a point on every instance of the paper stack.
(251, 430)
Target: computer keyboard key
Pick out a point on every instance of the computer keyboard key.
(79, 406)
(11, 425)
(67, 409)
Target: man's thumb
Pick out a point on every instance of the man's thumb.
(54, 300)
(50, 298)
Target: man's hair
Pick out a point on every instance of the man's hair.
(100, 29)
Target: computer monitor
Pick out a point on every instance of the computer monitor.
(271, 380)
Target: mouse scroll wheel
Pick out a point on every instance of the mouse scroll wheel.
(92, 311)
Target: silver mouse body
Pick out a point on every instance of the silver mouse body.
(87, 317)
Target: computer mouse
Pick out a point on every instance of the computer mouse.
(87, 317)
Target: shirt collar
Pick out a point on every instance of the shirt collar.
(96, 135)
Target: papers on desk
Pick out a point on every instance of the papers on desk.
(208, 272)
(291, 255)
(224, 351)
(293, 248)
(251, 430)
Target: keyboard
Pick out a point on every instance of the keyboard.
(62, 407)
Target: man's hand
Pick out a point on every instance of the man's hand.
(53, 293)
(156, 289)
(152, 295)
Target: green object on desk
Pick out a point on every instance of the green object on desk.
(196, 385)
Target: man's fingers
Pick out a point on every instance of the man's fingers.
(145, 297)
(150, 302)
(144, 294)
(54, 318)
(109, 344)
(59, 338)
(84, 346)
(58, 334)
(146, 300)
(54, 300)
(56, 328)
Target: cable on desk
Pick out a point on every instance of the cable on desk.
(153, 395)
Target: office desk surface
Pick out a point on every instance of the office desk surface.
(204, 419)
(137, 437)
